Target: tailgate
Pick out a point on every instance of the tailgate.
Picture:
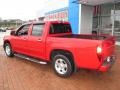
(108, 46)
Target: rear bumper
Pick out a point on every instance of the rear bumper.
(107, 64)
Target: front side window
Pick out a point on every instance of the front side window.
(37, 29)
(23, 30)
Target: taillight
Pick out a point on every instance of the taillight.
(99, 50)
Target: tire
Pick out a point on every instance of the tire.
(8, 50)
(62, 65)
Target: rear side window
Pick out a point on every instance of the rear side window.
(59, 28)
(37, 29)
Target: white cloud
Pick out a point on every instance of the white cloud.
(28, 9)
(56, 4)
(23, 9)
(51, 5)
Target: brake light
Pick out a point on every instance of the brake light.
(99, 50)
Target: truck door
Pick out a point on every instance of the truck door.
(20, 39)
(36, 44)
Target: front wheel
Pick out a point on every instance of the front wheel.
(62, 65)
(8, 50)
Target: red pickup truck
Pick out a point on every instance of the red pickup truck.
(53, 41)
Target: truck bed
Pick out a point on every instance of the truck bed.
(92, 37)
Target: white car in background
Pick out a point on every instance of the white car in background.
(2, 30)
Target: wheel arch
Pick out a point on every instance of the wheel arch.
(11, 50)
(6, 41)
(67, 53)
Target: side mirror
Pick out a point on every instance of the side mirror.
(13, 33)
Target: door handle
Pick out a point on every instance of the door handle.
(24, 38)
(39, 40)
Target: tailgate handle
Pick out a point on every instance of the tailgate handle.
(39, 40)
(24, 38)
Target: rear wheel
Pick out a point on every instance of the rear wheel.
(62, 65)
(8, 50)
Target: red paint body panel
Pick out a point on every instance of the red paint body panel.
(104, 68)
(84, 50)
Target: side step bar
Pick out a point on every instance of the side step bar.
(30, 59)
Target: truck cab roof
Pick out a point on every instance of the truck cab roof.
(43, 22)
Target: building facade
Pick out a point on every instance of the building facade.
(87, 16)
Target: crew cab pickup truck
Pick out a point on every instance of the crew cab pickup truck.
(53, 41)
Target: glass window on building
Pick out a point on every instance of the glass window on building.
(106, 19)
(102, 21)
(117, 22)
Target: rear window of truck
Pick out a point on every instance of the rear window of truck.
(60, 28)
